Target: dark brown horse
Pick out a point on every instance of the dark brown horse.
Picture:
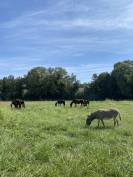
(82, 102)
(86, 103)
(77, 101)
(60, 102)
(17, 103)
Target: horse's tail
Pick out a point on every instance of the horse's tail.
(119, 116)
(56, 104)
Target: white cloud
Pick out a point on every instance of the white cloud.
(66, 29)
(84, 72)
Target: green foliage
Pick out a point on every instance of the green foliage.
(80, 93)
(55, 83)
(123, 75)
(47, 141)
(101, 86)
(39, 84)
(115, 85)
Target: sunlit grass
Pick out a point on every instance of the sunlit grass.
(44, 140)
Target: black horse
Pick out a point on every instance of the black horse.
(77, 101)
(17, 103)
(60, 102)
(82, 102)
(86, 103)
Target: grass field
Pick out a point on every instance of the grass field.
(48, 141)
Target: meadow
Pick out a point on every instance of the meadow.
(47, 141)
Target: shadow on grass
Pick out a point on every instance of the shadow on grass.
(100, 128)
(103, 128)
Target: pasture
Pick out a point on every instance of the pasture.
(47, 141)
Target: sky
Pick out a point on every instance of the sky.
(83, 36)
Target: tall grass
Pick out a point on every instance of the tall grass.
(47, 141)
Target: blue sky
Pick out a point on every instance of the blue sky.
(83, 36)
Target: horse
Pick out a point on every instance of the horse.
(86, 103)
(60, 102)
(77, 101)
(18, 103)
(104, 114)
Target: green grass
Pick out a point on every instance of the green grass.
(48, 141)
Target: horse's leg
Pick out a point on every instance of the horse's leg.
(19, 105)
(103, 122)
(98, 123)
(114, 121)
(117, 122)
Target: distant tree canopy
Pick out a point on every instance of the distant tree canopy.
(115, 85)
(39, 84)
(42, 83)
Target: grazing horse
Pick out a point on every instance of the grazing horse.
(60, 102)
(77, 101)
(18, 103)
(104, 114)
(22, 103)
(86, 103)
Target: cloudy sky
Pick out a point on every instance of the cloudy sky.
(84, 36)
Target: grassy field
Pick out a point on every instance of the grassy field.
(48, 141)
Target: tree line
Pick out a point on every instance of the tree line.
(42, 83)
(116, 85)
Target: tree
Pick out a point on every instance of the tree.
(100, 87)
(34, 82)
(8, 88)
(51, 83)
(123, 78)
